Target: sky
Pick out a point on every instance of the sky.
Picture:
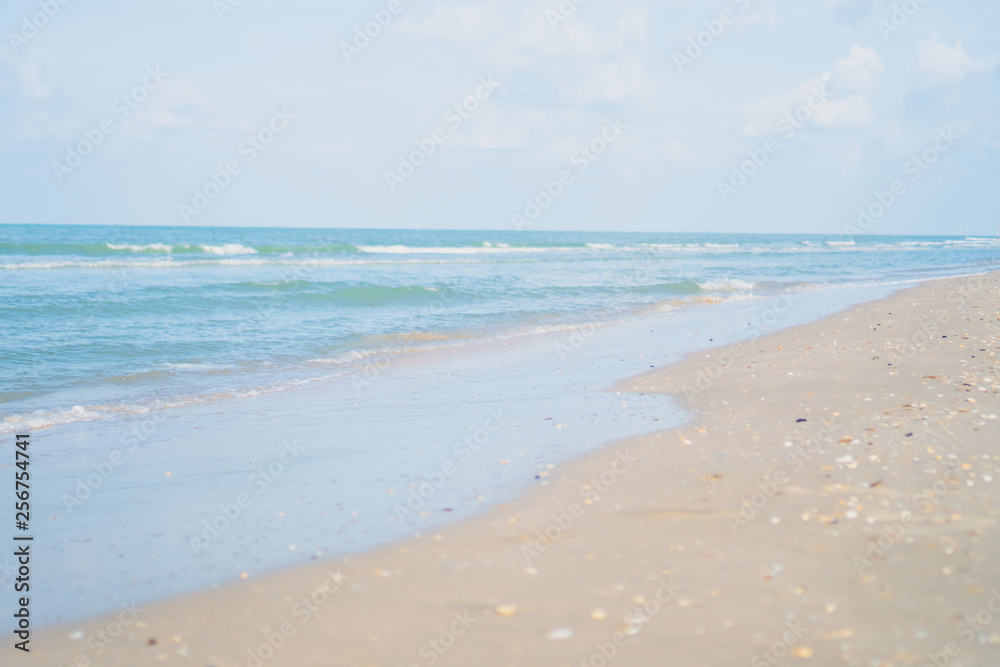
(675, 116)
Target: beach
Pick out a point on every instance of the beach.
(211, 405)
(832, 500)
(500, 334)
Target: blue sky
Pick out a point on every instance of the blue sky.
(304, 131)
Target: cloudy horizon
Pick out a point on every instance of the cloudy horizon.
(742, 116)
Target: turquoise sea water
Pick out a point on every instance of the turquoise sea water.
(101, 321)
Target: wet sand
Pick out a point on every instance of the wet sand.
(833, 502)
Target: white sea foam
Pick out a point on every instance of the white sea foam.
(228, 249)
(43, 418)
(168, 262)
(151, 247)
(660, 246)
(727, 284)
(225, 249)
(452, 250)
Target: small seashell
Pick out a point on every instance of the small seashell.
(506, 609)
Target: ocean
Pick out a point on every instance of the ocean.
(103, 321)
(357, 387)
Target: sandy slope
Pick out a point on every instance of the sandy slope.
(834, 502)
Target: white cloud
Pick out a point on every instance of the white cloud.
(462, 24)
(500, 128)
(585, 64)
(175, 104)
(852, 11)
(758, 14)
(941, 63)
(845, 155)
(859, 70)
(578, 64)
(845, 88)
(36, 75)
(38, 125)
(852, 111)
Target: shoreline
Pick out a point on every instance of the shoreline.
(342, 495)
(372, 360)
(653, 520)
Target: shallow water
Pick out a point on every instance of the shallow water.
(122, 505)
